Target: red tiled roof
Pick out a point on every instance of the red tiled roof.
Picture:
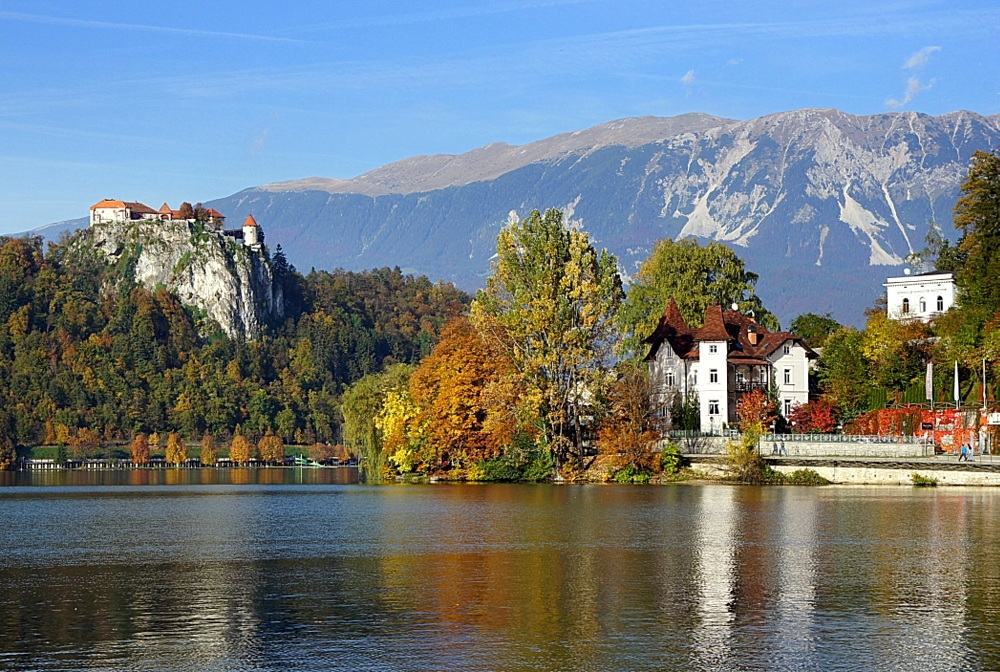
(140, 208)
(714, 328)
(108, 203)
(165, 210)
(250, 221)
(212, 212)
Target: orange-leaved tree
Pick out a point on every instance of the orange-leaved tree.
(814, 417)
(756, 410)
(465, 415)
(271, 448)
(628, 431)
(140, 449)
(239, 449)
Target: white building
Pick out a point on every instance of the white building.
(110, 210)
(919, 297)
(729, 356)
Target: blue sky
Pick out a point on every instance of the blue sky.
(171, 101)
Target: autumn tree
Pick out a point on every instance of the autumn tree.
(554, 301)
(361, 405)
(696, 277)
(756, 410)
(628, 432)
(186, 211)
(176, 450)
(271, 448)
(239, 449)
(455, 388)
(814, 417)
(140, 449)
(208, 454)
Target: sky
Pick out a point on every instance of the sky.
(191, 101)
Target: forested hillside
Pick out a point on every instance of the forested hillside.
(87, 356)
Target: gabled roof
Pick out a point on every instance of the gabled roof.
(250, 221)
(140, 208)
(165, 210)
(212, 212)
(749, 342)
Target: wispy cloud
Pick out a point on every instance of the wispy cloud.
(405, 18)
(919, 59)
(688, 78)
(913, 87)
(106, 25)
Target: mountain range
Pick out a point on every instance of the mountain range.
(823, 205)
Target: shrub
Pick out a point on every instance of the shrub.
(670, 459)
(805, 477)
(923, 481)
(524, 460)
(631, 475)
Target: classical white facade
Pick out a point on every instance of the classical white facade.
(919, 297)
(110, 210)
(729, 356)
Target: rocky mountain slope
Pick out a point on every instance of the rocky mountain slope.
(822, 204)
(231, 283)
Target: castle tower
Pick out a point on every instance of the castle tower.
(251, 232)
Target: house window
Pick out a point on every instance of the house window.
(713, 375)
(713, 407)
(740, 377)
(694, 377)
(670, 378)
(940, 304)
(788, 349)
(788, 407)
(923, 305)
(788, 376)
(712, 349)
(906, 305)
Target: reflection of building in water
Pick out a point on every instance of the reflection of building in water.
(797, 546)
(717, 539)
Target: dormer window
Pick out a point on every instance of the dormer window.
(788, 349)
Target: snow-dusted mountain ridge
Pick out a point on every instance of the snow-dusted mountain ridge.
(821, 203)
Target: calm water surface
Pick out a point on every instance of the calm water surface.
(271, 575)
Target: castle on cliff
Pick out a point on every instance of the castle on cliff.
(114, 211)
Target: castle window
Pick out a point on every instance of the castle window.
(923, 305)
(713, 375)
(940, 304)
(906, 305)
(712, 349)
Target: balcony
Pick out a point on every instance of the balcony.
(744, 386)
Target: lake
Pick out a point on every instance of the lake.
(277, 575)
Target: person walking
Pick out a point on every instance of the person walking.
(963, 454)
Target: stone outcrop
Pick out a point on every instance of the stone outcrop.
(229, 282)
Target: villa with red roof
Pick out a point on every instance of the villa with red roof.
(727, 357)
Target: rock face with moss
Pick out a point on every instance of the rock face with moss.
(221, 278)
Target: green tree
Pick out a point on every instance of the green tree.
(977, 216)
(361, 406)
(843, 373)
(696, 277)
(813, 328)
(8, 453)
(551, 305)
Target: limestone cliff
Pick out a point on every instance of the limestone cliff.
(230, 283)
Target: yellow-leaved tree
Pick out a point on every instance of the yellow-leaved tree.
(551, 307)
(271, 448)
(176, 450)
(239, 449)
(140, 449)
(209, 454)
